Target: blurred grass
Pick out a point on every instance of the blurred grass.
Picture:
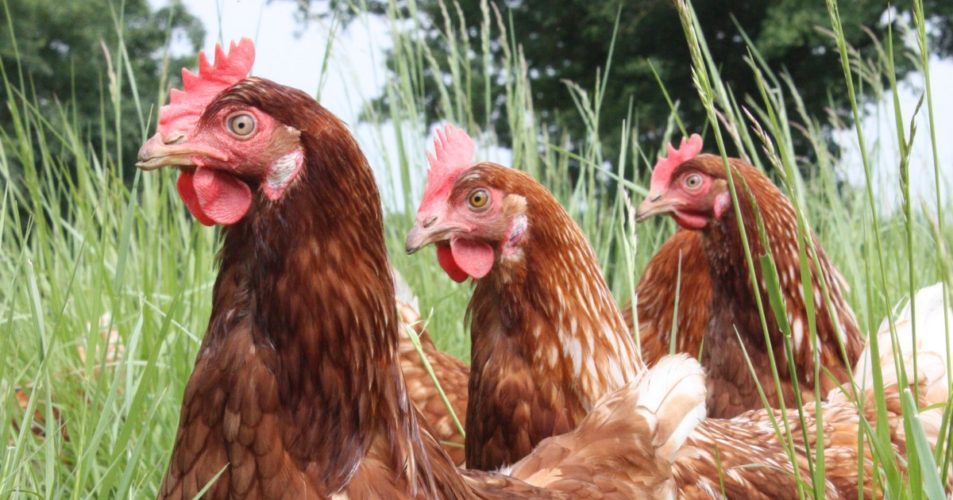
(86, 254)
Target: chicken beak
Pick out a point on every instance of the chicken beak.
(172, 151)
(424, 233)
(654, 204)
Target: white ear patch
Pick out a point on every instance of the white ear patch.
(517, 228)
(722, 202)
(281, 173)
(511, 248)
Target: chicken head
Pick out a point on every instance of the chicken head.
(471, 221)
(226, 148)
(693, 194)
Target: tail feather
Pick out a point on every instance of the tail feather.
(934, 327)
(674, 391)
(934, 331)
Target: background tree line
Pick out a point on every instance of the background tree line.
(568, 40)
(57, 51)
(58, 56)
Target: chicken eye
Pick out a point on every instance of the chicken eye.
(693, 182)
(242, 125)
(478, 199)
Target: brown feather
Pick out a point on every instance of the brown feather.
(452, 374)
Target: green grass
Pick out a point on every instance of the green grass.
(86, 253)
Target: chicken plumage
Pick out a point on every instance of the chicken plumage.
(533, 366)
(694, 191)
(296, 390)
(533, 322)
(446, 418)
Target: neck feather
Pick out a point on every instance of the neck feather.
(725, 252)
(555, 301)
(310, 274)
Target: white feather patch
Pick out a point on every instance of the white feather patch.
(674, 390)
(797, 328)
(281, 173)
(575, 354)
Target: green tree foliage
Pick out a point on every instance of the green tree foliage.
(570, 39)
(65, 56)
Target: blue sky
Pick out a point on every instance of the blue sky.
(293, 56)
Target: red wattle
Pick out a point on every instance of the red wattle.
(224, 198)
(214, 197)
(191, 200)
(474, 257)
(449, 265)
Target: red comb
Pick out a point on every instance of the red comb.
(453, 153)
(665, 166)
(186, 106)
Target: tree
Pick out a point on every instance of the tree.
(568, 40)
(59, 53)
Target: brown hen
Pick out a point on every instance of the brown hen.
(543, 337)
(296, 390)
(694, 190)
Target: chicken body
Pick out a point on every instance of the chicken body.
(838, 336)
(725, 301)
(716, 297)
(296, 391)
(453, 376)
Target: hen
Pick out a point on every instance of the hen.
(516, 389)
(694, 190)
(296, 390)
(542, 337)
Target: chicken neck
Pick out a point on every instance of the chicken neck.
(547, 338)
(308, 279)
(734, 307)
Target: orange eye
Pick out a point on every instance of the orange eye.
(693, 182)
(478, 199)
(241, 124)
